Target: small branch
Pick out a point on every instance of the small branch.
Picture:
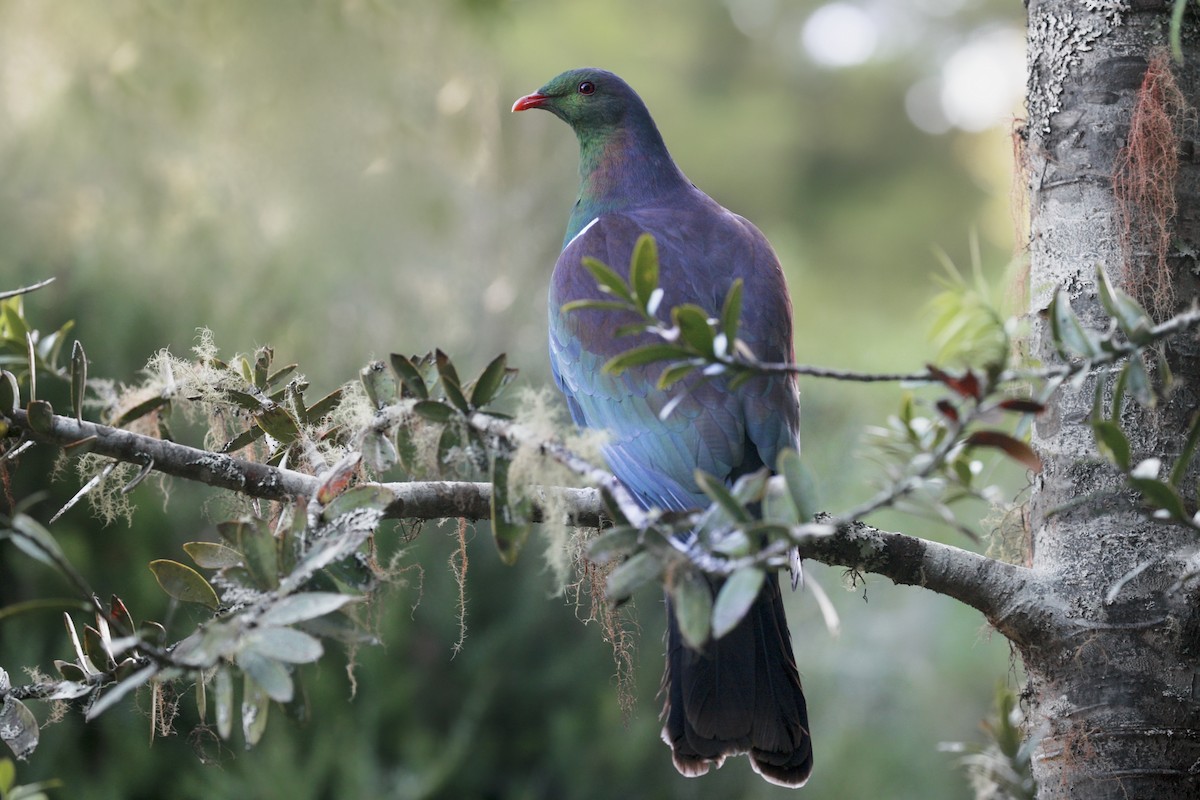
(414, 500)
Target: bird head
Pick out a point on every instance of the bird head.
(587, 99)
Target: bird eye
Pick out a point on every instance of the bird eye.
(587, 87)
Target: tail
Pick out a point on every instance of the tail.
(741, 694)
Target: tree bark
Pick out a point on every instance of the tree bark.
(1113, 666)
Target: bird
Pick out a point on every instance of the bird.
(741, 693)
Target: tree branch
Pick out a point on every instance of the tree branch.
(983, 583)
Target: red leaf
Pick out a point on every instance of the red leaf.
(948, 410)
(966, 385)
(1013, 448)
(1023, 405)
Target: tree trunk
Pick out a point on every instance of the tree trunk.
(1113, 663)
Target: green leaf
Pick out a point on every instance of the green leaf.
(716, 489)
(8, 776)
(675, 373)
(646, 354)
(641, 568)
(1112, 443)
(1179, 471)
(10, 393)
(613, 544)
(223, 701)
(434, 411)
(255, 705)
(304, 606)
(693, 602)
(278, 375)
(749, 488)
(114, 695)
(495, 376)
(451, 385)
(18, 728)
(210, 555)
(778, 505)
(1070, 337)
(410, 376)
(643, 269)
(378, 452)
(607, 279)
(731, 312)
(1160, 495)
(1137, 382)
(734, 599)
(323, 406)
(41, 416)
(1013, 448)
(78, 379)
(36, 541)
(595, 305)
(183, 583)
(1133, 320)
(148, 406)
(509, 526)
(287, 645)
(278, 423)
(694, 330)
(379, 383)
(267, 674)
(365, 496)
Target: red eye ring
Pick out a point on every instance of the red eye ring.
(587, 87)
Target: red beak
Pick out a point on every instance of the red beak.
(534, 100)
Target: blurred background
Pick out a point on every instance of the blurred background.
(344, 179)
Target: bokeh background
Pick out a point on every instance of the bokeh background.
(343, 180)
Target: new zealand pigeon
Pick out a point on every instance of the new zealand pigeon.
(740, 693)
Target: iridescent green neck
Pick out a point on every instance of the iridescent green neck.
(620, 169)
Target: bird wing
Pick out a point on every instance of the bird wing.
(702, 249)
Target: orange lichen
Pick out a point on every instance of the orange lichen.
(1144, 185)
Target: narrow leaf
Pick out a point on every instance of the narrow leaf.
(451, 385)
(607, 279)
(735, 598)
(10, 393)
(1185, 456)
(434, 411)
(113, 695)
(1112, 443)
(1013, 448)
(1022, 405)
(509, 527)
(78, 379)
(646, 354)
(255, 705)
(493, 378)
(643, 269)
(223, 701)
(1160, 495)
(693, 603)
(731, 312)
(410, 377)
(1132, 319)
(1070, 337)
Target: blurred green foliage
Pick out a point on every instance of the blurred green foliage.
(342, 180)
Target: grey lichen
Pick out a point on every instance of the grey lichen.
(1058, 38)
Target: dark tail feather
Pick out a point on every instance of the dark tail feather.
(741, 694)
